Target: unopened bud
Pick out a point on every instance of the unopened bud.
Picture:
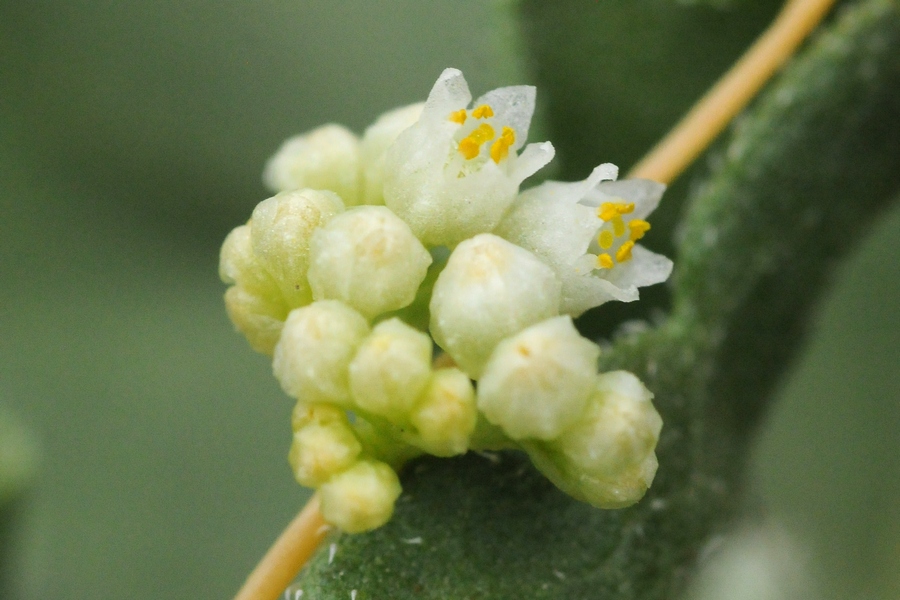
(390, 370)
(316, 346)
(489, 290)
(368, 258)
(281, 229)
(537, 382)
(360, 498)
(326, 158)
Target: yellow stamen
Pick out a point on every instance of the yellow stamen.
(607, 211)
(482, 112)
(604, 261)
(638, 228)
(500, 149)
(458, 116)
(624, 252)
(470, 146)
(605, 239)
(618, 225)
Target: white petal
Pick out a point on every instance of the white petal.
(513, 107)
(533, 158)
(645, 268)
(643, 192)
(450, 93)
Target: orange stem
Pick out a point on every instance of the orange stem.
(696, 131)
(288, 554)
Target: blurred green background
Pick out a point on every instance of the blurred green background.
(132, 138)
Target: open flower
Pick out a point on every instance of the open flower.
(587, 232)
(454, 173)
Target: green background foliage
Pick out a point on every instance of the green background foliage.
(132, 140)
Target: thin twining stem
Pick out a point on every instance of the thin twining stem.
(706, 120)
(664, 163)
(288, 554)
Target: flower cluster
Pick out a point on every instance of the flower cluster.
(376, 251)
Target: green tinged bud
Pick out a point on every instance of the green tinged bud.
(360, 498)
(607, 459)
(326, 158)
(280, 232)
(537, 382)
(390, 370)
(368, 258)
(316, 346)
(445, 416)
(489, 290)
(323, 446)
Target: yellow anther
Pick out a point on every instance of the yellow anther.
(624, 252)
(470, 146)
(482, 112)
(500, 149)
(618, 225)
(604, 261)
(458, 116)
(605, 239)
(607, 211)
(638, 228)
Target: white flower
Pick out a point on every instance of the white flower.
(587, 232)
(454, 173)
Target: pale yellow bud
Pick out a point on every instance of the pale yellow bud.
(445, 417)
(360, 498)
(390, 370)
(368, 258)
(316, 346)
(280, 232)
(537, 382)
(322, 448)
(326, 158)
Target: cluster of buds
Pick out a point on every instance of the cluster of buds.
(414, 302)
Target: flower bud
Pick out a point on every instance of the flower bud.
(360, 498)
(390, 370)
(316, 346)
(378, 137)
(607, 459)
(280, 231)
(326, 158)
(259, 319)
(368, 258)
(445, 416)
(322, 447)
(238, 265)
(537, 382)
(489, 290)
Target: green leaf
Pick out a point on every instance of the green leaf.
(800, 178)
